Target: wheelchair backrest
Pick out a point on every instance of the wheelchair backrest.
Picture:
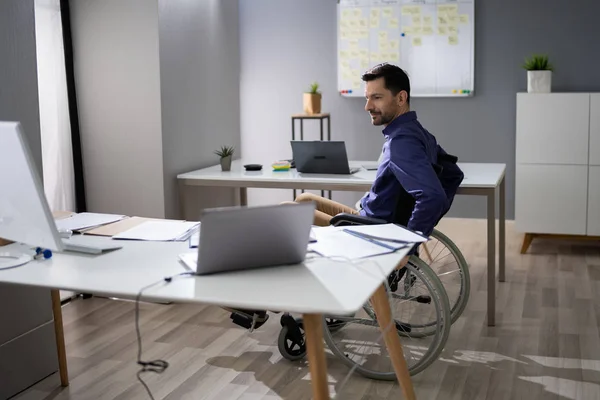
(450, 177)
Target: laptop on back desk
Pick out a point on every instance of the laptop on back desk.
(321, 157)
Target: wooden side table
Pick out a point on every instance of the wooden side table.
(321, 118)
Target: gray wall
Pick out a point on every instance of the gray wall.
(199, 73)
(18, 71)
(115, 46)
(287, 44)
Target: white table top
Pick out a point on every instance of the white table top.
(477, 175)
(317, 286)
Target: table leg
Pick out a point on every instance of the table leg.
(392, 341)
(491, 259)
(315, 349)
(243, 196)
(60, 338)
(182, 198)
(502, 232)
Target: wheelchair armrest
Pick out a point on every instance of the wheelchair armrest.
(353, 219)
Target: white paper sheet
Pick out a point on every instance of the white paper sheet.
(86, 220)
(162, 231)
(389, 231)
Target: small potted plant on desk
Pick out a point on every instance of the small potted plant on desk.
(312, 100)
(539, 74)
(225, 153)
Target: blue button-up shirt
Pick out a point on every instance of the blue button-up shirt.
(408, 154)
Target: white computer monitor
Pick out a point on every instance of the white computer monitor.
(25, 216)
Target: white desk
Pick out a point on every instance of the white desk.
(334, 287)
(481, 179)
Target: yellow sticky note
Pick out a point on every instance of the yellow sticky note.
(385, 56)
(345, 64)
(356, 13)
(384, 46)
(453, 40)
(363, 34)
(416, 20)
(387, 12)
(344, 35)
(394, 56)
(452, 29)
(453, 19)
(353, 44)
(417, 30)
(347, 75)
(450, 9)
(356, 84)
(463, 18)
(374, 23)
(442, 20)
(363, 23)
(344, 54)
(375, 12)
(354, 54)
(408, 30)
(346, 14)
(442, 30)
(416, 41)
(353, 23)
(427, 30)
(393, 23)
(411, 10)
(364, 53)
(394, 44)
(364, 64)
(343, 24)
(383, 35)
(427, 20)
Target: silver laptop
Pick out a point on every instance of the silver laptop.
(321, 157)
(239, 238)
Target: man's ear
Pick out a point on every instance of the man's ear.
(401, 97)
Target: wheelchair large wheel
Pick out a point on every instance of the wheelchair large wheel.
(449, 264)
(418, 300)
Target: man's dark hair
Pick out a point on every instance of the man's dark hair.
(394, 77)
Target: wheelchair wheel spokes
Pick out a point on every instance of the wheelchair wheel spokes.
(361, 344)
(448, 263)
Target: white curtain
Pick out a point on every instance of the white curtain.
(57, 151)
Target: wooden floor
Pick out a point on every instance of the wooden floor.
(546, 344)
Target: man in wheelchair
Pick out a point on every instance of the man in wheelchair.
(416, 180)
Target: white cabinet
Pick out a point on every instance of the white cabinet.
(546, 206)
(557, 183)
(595, 129)
(553, 128)
(593, 227)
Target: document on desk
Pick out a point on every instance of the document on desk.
(351, 243)
(160, 231)
(86, 220)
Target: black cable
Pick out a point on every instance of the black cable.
(156, 366)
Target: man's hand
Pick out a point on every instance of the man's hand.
(402, 262)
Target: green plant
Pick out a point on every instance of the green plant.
(314, 88)
(537, 62)
(225, 151)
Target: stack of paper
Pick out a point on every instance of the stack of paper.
(83, 221)
(160, 231)
(362, 241)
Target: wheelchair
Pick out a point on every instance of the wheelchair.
(426, 298)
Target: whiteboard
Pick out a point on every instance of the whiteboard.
(432, 40)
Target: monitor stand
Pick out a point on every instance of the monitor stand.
(13, 259)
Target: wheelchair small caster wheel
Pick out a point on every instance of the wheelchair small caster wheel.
(291, 341)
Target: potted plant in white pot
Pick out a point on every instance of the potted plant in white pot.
(312, 100)
(226, 154)
(539, 74)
